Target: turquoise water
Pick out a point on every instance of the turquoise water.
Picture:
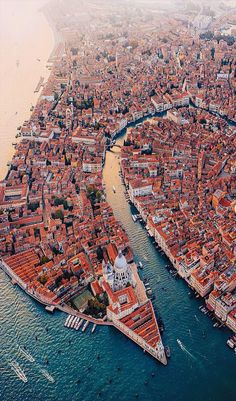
(105, 365)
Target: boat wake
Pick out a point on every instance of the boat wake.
(18, 371)
(196, 318)
(185, 349)
(47, 375)
(27, 355)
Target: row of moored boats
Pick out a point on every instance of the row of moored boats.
(75, 322)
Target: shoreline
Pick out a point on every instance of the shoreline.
(32, 97)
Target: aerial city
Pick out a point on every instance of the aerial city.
(118, 200)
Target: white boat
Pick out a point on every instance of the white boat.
(18, 371)
(73, 322)
(80, 323)
(77, 324)
(27, 355)
(47, 375)
(114, 189)
(179, 342)
(230, 343)
(93, 328)
(67, 320)
(70, 321)
(85, 326)
(140, 265)
(134, 217)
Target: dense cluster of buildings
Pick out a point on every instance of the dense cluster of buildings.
(57, 232)
(185, 191)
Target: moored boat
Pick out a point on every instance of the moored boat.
(85, 326)
(167, 351)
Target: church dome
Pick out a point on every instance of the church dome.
(120, 262)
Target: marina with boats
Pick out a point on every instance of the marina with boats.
(75, 322)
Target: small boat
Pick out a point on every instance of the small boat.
(140, 265)
(134, 217)
(18, 370)
(27, 355)
(74, 322)
(67, 321)
(77, 324)
(85, 326)
(231, 343)
(167, 351)
(70, 321)
(93, 328)
(47, 375)
(114, 189)
(80, 323)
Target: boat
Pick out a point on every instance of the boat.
(230, 343)
(134, 217)
(147, 284)
(18, 370)
(80, 323)
(140, 265)
(14, 143)
(179, 342)
(85, 325)
(27, 355)
(167, 351)
(77, 324)
(73, 322)
(114, 189)
(47, 375)
(93, 328)
(67, 320)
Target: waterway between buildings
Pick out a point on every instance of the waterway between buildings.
(204, 369)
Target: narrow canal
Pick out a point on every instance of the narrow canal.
(106, 365)
(204, 367)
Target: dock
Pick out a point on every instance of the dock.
(40, 83)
